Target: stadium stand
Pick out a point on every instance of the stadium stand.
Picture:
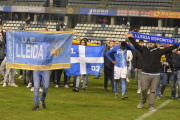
(96, 32)
(15, 25)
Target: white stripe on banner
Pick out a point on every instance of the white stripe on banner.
(83, 60)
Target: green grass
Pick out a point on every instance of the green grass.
(94, 104)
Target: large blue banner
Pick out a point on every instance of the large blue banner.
(153, 38)
(104, 12)
(38, 51)
(86, 60)
(5, 8)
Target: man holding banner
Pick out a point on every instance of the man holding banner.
(151, 59)
(41, 52)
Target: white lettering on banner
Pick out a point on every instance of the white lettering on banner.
(72, 52)
(98, 11)
(154, 38)
(27, 51)
(31, 51)
(32, 40)
(95, 68)
(10, 50)
(142, 37)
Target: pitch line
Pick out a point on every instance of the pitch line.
(151, 112)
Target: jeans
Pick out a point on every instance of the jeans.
(163, 77)
(37, 76)
(149, 81)
(85, 77)
(108, 74)
(58, 74)
(139, 78)
(175, 76)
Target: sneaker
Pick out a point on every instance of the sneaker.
(127, 80)
(16, 72)
(81, 80)
(124, 96)
(20, 76)
(66, 86)
(1, 83)
(86, 85)
(4, 84)
(76, 89)
(36, 107)
(40, 90)
(29, 85)
(14, 85)
(139, 91)
(152, 109)
(32, 89)
(43, 105)
(56, 86)
(162, 96)
(140, 105)
(116, 95)
(148, 91)
(158, 98)
(84, 90)
(172, 98)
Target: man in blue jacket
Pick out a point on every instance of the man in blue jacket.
(120, 68)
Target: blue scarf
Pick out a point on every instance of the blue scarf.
(155, 38)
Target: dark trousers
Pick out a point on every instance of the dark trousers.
(21, 72)
(132, 72)
(58, 74)
(108, 74)
(52, 76)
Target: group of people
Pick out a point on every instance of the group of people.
(150, 62)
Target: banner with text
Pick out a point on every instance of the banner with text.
(38, 51)
(5, 8)
(165, 14)
(30, 9)
(153, 38)
(104, 12)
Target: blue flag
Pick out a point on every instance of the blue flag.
(38, 51)
(154, 38)
(86, 60)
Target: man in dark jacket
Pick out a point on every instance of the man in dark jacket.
(108, 68)
(137, 64)
(150, 70)
(175, 76)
